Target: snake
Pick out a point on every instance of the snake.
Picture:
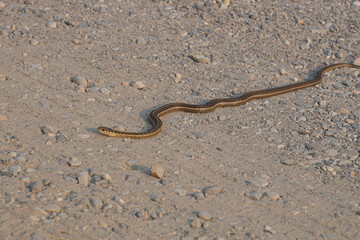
(157, 124)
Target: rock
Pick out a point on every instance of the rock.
(287, 162)
(205, 215)
(272, 195)
(80, 81)
(52, 208)
(96, 203)
(106, 177)
(36, 236)
(269, 229)
(331, 152)
(3, 118)
(198, 195)
(104, 90)
(180, 191)
(34, 42)
(196, 224)
(212, 191)
(51, 24)
(357, 4)
(36, 187)
(49, 129)
(200, 59)
(259, 183)
(254, 195)
(2, 5)
(14, 169)
(138, 85)
(157, 171)
(75, 163)
(84, 178)
(141, 41)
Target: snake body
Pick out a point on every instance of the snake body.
(154, 116)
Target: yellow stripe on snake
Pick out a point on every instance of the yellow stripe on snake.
(154, 116)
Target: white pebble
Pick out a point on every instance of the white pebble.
(51, 24)
(139, 85)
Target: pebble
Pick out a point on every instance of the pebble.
(83, 136)
(283, 72)
(200, 59)
(212, 191)
(301, 119)
(106, 177)
(287, 162)
(104, 90)
(141, 41)
(80, 89)
(34, 42)
(331, 152)
(75, 163)
(199, 195)
(84, 178)
(180, 191)
(327, 168)
(269, 229)
(96, 203)
(272, 195)
(3, 118)
(254, 195)
(259, 183)
(36, 187)
(205, 216)
(196, 223)
(14, 169)
(49, 129)
(36, 236)
(138, 85)
(51, 24)
(2, 5)
(305, 46)
(357, 4)
(61, 137)
(52, 208)
(20, 158)
(80, 81)
(157, 171)
(221, 117)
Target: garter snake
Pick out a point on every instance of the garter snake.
(154, 116)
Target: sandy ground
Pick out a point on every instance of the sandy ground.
(285, 167)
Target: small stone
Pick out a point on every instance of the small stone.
(287, 162)
(283, 72)
(331, 152)
(259, 183)
(342, 110)
(301, 119)
(198, 195)
(180, 191)
(51, 24)
(2, 5)
(104, 90)
(34, 42)
(96, 203)
(221, 117)
(212, 191)
(84, 178)
(36, 236)
(269, 229)
(3, 118)
(157, 171)
(273, 195)
(52, 208)
(20, 158)
(36, 187)
(14, 169)
(205, 215)
(254, 195)
(223, 6)
(139, 85)
(226, 2)
(357, 60)
(106, 177)
(141, 41)
(350, 121)
(49, 129)
(46, 181)
(357, 4)
(61, 137)
(83, 136)
(196, 224)
(305, 46)
(80, 81)
(75, 163)
(200, 59)
(348, 83)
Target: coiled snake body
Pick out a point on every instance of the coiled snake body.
(154, 116)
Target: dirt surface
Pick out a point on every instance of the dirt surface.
(285, 167)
